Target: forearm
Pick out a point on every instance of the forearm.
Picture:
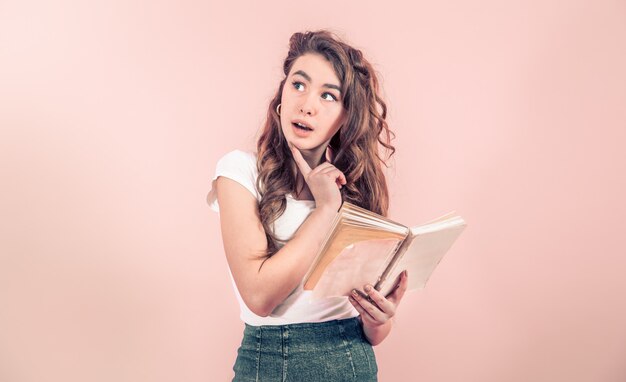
(282, 272)
(376, 334)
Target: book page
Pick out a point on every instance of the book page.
(357, 264)
(423, 256)
(360, 217)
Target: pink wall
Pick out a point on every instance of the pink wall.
(113, 115)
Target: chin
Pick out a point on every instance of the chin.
(308, 146)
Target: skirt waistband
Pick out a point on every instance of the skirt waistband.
(346, 322)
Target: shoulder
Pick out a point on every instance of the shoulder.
(238, 165)
(238, 157)
(240, 154)
(238, 162)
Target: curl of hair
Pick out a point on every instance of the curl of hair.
(356, 146)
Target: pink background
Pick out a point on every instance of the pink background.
(114, 113)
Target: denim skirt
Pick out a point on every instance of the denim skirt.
(327, 351)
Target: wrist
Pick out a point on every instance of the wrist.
(375, 334)
(326, 209)
(389, 322)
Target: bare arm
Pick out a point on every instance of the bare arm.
(264, 287)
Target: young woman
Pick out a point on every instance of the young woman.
(319, 147)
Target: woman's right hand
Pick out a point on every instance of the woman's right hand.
(324, 181)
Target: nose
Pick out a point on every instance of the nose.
(308, 106)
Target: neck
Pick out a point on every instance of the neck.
(314, 158)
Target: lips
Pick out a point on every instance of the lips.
(300, 124)
(301, 132)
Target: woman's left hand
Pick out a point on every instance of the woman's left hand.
(383, 308)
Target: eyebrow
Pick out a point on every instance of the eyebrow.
(308, 78)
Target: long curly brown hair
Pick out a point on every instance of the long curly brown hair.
(356, 146)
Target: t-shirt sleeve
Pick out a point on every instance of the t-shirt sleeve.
(239, 166)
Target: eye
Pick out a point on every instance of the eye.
(298, 83)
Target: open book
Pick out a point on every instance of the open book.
(362, 247)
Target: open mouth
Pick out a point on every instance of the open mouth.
(301, 126)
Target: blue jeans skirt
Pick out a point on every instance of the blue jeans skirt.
(328, 351)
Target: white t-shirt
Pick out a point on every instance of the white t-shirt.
(298, 307)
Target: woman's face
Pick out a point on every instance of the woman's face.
(311, 95)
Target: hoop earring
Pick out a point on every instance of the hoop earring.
(278, 109)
